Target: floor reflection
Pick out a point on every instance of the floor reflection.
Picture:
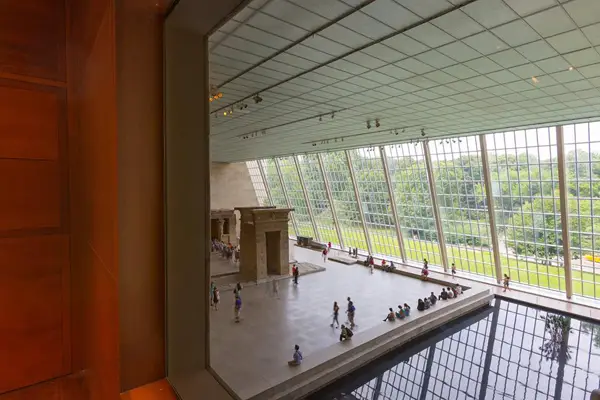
(509, 351)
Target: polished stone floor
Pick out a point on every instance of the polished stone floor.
(244, 353)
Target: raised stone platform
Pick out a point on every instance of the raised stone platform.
(251, 357)
(344, 259)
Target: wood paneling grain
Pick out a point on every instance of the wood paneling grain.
(70, 387)
(32, 38)
(159, 390)
(32, 341)
(141, 254)
(31, 195)
(31, 121)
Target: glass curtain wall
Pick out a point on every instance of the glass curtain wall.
(375, 200)
(524, 172)
(277, 194)
(317, 196)
(258, 183)
(582, 158)
(344, 199)
(524, 183)
(293, 187)
(408, 177)
(462, 201)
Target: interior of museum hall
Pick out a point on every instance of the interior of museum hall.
(300, 199)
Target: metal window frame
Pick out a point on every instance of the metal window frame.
(336, 222)
(306, 199)
(265, 182)
(487, 180)
(392, 197)
(286, 196)
(564, 211)
(358, 201)
(435, 206)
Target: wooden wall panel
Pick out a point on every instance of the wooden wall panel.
(32, 344)
(141, 245)
(31, 195)
(30, 121)
(32, 38)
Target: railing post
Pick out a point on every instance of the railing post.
(392, 197)
(308, 204)
(264, 178)
(435, 206)
(564, 210)
(336, 222)
(489, 196)
(359, 202)
(285, 195)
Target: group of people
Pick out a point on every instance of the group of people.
(215, 298)
(403, 312)
(227, 250)
(451, 292)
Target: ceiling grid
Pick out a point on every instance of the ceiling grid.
(447, 67)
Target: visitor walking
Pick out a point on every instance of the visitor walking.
(212, 292)
(237, 308)
(216, 299)
(351, 312)
(506, 282)
(453, 270)
(275, 288)
(425, 270)
(295, 273)
(296, 358)
(324, 253)
(336, 312)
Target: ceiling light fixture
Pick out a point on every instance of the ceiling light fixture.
(423, 132)
(257, 99)
(571, 68)
(332, 114)
(320, 118)
(377, 124)
(403, 130)
(225, 113)
(534, 79)
(368, 124)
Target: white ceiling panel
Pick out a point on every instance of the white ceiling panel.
(452, 69)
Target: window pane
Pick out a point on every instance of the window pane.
(295, 193)
(258, 183)
(463, 209)
(375, 199)
(408, 176)
(276, 189)
(525, 189)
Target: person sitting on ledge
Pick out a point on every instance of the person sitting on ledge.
(346, 333)
(443, 295)
(433, 299)
(383, 264)
(391, 267)
(458, 289)
(297, 357)
(406, 310)
(391, 316)
(427, 303)
(454, 291)
(421, 305)
(400, 313)
(450, 293)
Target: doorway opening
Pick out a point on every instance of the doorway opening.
(273, 243)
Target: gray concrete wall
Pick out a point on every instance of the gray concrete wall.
(230, 187)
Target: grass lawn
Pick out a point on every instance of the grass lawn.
(472, 260)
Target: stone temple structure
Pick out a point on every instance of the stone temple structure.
(223, 226)
(264, 242)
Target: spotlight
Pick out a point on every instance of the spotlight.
(377, 124)
(332, 114)
(534, 79)
(245, 105)
(320, 118)
(225, 113)
(257, 99)
(396, 132)
(423, 132)
(219, 95)
(314, 144)
(368, 124)
(210, 99)
(403, 130)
